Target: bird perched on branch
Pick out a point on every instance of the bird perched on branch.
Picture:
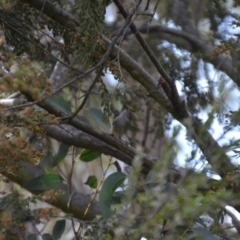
(121, 123)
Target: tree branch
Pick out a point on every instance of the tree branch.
(222, 62)
(78, 203)
(208, 145)
(167, 82)
(53, 11)
(214, 154)
(235, 220)
(108, 145)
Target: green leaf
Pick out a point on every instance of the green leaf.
(92, 182)
(44, 182)
(118, 197)
(32, 236)
(84, 119)
(204, 233)
(47, 236)
(46, 163)
(98, 117)
(152, 177)
(60, 103)
(5, 200)
(61, 154)
(59, 229)
(89, 155)
(169, 188)
(183, 230)
(110, 185)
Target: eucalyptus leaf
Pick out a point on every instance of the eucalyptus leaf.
(44, 182)
(61, 154)
(88, 155)
(59, 229)
(47, 236)
(98, 117)
(110, 185)
(60, 103)
(92, 182)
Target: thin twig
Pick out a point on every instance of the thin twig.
(71, 171)
(98, 187)
(147, 5)
(70, 188)
(86, 95)
(146, 128)
(155, 8)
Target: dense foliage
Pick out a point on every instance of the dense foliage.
(67, 71)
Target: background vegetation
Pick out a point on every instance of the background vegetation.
(67, 71)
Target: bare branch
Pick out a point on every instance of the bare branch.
(12, 101)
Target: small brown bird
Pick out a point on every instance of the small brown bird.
(121, 123)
